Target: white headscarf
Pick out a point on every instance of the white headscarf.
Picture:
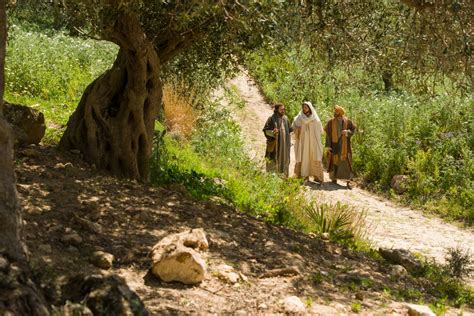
(302, 118)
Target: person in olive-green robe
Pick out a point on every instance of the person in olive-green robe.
(277, 131)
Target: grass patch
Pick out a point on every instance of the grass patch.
(51, 71)
(356, 307)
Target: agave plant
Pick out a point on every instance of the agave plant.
(341, 221)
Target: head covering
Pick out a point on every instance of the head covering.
(301, 118)
(313, 115)
(312, 129)
(339, 110)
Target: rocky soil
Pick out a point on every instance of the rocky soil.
(74, 215)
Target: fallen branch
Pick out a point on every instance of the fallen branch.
(281, 272)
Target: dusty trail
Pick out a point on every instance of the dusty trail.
(391, 225)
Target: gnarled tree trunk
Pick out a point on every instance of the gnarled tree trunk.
(114, 122)
(18, 294)
(10, 221)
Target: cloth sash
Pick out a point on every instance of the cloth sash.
(335, 139)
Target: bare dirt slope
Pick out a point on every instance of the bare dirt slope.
(391, 225)
(61, 195)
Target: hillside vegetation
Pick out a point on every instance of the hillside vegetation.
(50, 70)
(427, 135)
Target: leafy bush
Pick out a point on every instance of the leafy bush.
(459, 263)
(441, 283)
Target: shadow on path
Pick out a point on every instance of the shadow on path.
(326, 186)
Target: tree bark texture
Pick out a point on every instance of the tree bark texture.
(3, 48)
(18, 294)
(10, 221)
(114, 123)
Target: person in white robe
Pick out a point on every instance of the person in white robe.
(308, 147)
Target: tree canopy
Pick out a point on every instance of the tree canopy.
(414, 37)
(411, 39)
(407, 39)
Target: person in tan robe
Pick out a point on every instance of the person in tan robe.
(308, 147)
(339, 131)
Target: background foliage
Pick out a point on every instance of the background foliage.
(52, 70)
(429, 137)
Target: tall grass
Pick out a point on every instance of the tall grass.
(180, 112)
(430, 138)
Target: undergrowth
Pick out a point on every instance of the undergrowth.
(446, 281)
(342, 223)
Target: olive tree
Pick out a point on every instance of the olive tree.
(408, 40)
(114, 123)
(19, 295)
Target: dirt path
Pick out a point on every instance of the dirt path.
(392, 225)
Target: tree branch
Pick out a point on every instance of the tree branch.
(170, 46)
(418, 4)
(88, 35)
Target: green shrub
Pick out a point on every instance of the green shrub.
(443, 285)
(459, 263)
(343, 223)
